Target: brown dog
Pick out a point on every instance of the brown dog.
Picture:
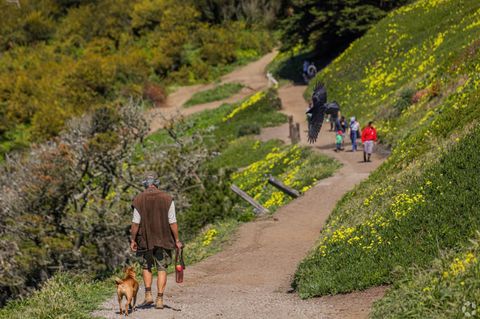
(127, 287)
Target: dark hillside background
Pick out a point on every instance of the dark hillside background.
(330, 26)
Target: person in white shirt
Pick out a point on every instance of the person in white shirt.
(154, 235)
(354, 132)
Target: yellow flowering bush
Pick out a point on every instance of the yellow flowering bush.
(287, 164)
(245, 104)
(367, 235)
(209, 236)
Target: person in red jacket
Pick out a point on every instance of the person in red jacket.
(369, 137)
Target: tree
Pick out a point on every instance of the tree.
(252, 11)
(330, 25)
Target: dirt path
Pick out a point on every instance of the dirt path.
(251, 278)
(252, 76)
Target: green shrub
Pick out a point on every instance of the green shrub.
(248, 129)
(404, 100)
(330, 25)
(77, 55)
(251, 150)
(37, 27)
(66, 295)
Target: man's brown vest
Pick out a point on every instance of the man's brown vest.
(154, 231)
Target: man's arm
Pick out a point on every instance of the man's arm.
(133, 234)
(172, 220)
(174, 228)
(134, 229)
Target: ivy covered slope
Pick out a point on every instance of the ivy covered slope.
(417, 75)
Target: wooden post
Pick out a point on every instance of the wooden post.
(284, 188)
(297, 126)
(293, 130)
(258, 209)
(290, 127)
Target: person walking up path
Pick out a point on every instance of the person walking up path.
(369, 137)
(354, 130)
(154, 234)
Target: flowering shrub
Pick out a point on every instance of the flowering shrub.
(285, 164)
(209, 236)
(245, 104)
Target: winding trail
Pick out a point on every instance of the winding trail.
(251, 277)
(252, 76)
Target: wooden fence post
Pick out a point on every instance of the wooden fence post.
(284, 188)
(258, 209)
(290, 127)
(294, 130)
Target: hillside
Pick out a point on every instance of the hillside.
(64, 58)
(416, 74)
(77, 70)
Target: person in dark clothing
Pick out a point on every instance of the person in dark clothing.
(154, 234)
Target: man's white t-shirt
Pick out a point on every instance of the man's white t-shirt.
(172, 217)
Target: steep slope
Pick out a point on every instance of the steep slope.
(417, 75)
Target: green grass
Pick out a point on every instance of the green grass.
(66, 295)
(400, 229)
(216, 131)
(449, 288)
(210, 241)
(242, 152)
(218, 93)
(421, 200)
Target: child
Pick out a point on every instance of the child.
(339, 140)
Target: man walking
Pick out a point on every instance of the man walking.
(154, 234)
(354, 128)
(369, 137)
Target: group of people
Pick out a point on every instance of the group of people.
(368, 135)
